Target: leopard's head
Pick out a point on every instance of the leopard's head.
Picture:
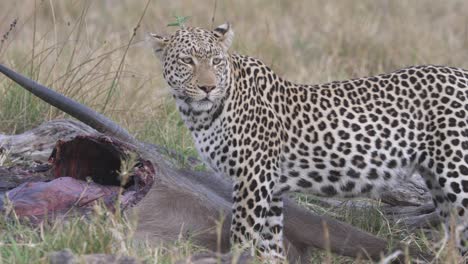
(196, 64)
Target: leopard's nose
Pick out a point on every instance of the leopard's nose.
(206, 88)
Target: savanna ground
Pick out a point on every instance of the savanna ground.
(94, 52)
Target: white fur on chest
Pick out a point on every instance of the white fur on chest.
(206, 132)
(205, 142)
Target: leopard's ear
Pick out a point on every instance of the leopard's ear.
(158, 44)
(225, 35)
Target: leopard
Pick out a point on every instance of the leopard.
(351, 138)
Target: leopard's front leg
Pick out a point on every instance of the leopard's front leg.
(257, 213)
(273, 231)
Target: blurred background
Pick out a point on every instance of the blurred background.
(95, 51)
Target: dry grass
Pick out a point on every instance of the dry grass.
(94, 52)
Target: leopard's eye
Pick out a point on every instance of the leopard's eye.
(216, 61)
(187, 60)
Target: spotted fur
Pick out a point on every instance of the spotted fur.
(345, 138)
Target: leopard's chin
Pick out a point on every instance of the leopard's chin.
(202, 105)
